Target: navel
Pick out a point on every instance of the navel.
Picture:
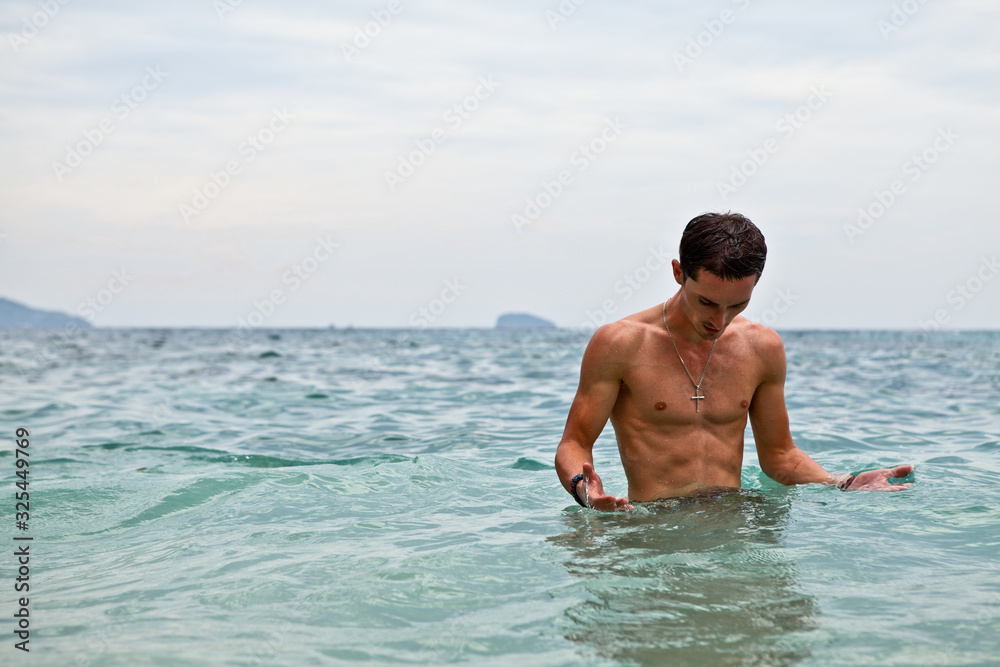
(660, 406)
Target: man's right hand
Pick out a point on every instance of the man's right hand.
(591, 492)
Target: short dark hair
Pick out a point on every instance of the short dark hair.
(726, 244)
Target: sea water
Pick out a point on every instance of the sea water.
(341, 497)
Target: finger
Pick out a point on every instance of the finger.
(600, 496)
(872, 484)
(894, 473)
(594, 484)
(891, 487)
(603, 503)
(881, 476)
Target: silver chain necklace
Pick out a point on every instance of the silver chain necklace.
(698, 396)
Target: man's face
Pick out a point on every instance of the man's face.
(711, 303)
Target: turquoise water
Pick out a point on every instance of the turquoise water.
(388, 497)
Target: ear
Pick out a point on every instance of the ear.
(678, 274)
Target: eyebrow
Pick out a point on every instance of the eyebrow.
(712, 303)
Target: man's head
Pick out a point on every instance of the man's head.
(725, 244)
(721, 259)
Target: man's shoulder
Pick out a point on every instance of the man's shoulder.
(620, 340)
(622, 335)
(762, 338)
(764, 343)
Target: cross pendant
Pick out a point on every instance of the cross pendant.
(697, 399)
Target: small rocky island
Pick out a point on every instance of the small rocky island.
(523, 321)
(14, 314)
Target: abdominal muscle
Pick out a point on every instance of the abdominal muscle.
(663, 461)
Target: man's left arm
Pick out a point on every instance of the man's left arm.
(779, 458)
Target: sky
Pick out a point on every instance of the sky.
(226, 163)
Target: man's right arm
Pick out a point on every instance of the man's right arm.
(601, 375)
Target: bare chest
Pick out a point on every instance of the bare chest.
(657, 390)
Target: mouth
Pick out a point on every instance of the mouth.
(711, 330)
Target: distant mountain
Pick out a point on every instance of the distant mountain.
(14, 314)
(523, 321)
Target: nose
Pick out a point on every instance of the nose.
(718, 319)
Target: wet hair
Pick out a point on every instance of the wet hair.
(725, 244)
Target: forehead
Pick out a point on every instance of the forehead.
(722, 291)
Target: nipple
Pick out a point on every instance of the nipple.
(660, 406)
(744, 403)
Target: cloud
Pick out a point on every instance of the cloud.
(354, 120)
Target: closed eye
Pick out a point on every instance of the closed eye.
(706, 302)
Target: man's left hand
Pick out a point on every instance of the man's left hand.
(878, 480)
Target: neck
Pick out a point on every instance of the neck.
(680, 326)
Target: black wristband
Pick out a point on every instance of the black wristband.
(846, 483)
(572, 489)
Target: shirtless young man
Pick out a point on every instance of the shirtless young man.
(680, 431)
